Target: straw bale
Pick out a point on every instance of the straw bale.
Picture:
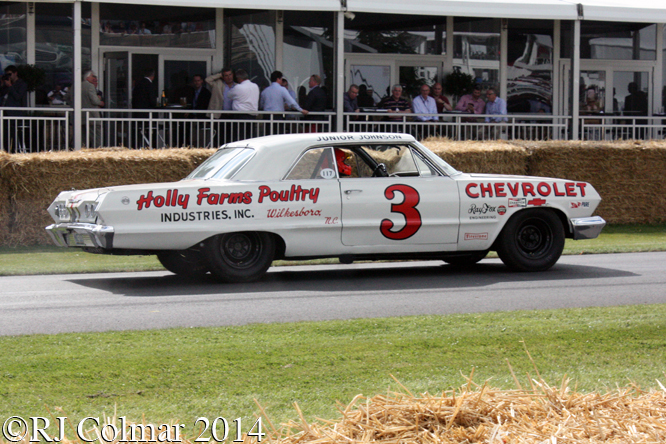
(626, 174)
(5, 198)
(492, 157)
(485, 415)
(36, 179)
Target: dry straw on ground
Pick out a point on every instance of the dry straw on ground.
(542, 414)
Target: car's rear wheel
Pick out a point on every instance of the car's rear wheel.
(532, 240)
(189, 263)
(240, 257)
(466, 260)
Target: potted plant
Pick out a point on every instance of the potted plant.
(458, 83)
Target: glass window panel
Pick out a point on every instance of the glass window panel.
(395, 34)
(476, 49)
(530, 67)
(178, 78)
(250, 43)
(630, 89)
(54, 45)
(374, 82)
(156, 26)
(412, 77)
(308, 49)
(12, 34)
(315, 164)
(611, 40)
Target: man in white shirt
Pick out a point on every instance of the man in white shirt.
(244, 97)
(425, 104)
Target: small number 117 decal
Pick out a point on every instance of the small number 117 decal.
(407, 208)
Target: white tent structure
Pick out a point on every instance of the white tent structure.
(637, 11)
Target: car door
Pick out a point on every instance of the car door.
(413, 205)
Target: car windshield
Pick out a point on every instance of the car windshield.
(223, 164)
(448, 169)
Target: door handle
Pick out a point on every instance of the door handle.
(352, 191)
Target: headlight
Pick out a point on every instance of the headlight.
(89, 210)
(61, 212)
(86, 211)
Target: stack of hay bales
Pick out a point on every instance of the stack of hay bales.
(627, 174)
(33, 180)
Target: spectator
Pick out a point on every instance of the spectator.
(220, 85)
(143, 30)
(495, 105)
(245, 97)
(276, 98)
(472, 103)
(636, 103)
(15, 92)
(57, 96)
(365, 99)
(91, 131)
(440, 99)
(316, 99)
(144, 95)
(202, 96)
(395, 104)
(351, 99)
(292, 93)
(424, 104)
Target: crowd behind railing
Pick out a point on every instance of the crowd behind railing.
(40, 129)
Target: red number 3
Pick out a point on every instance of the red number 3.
(407, 208)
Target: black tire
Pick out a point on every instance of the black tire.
(532, 240)
(466, 260)
(240, 257)
(190, 263)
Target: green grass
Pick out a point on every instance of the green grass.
(181, 374)
(55, 260)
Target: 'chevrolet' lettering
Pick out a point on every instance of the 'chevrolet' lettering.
(524, 189)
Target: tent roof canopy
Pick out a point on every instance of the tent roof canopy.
(646, 11)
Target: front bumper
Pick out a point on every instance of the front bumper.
(587, 227)
(81, 235)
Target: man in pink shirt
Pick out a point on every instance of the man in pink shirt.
(472, 103)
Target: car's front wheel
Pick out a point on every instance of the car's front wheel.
(189, 263)
(240, 257)
(532, 240)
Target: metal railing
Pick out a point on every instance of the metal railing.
(613, 127)
(196, 129)
(40, 129)
(30, 130)
(458, 126)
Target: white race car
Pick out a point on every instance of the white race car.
(355, 196)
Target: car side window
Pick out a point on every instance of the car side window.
(400, 161)
(316, 163)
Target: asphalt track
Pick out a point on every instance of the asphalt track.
(135, 301)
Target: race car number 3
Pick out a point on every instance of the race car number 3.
(408, 210)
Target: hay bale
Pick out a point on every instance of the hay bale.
(36, 179)
(492, 157)
(626, 174)
(5, 198)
